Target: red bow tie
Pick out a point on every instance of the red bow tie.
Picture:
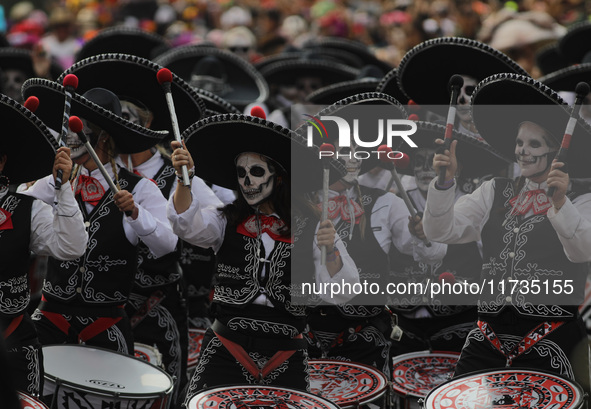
(341, 206)
(269, 224)
(535, 200)
(89, 189)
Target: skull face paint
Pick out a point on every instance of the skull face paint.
(346, 155)
(130, 113)
(423, 168)
(255, 178)
(463, 103)
(75, 144)
(12, 82)
(532, 151)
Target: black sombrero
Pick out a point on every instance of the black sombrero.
(550, 59)
(105, 113)
(361, 106)
(575, 45)
(20, 59)
(425, 70)
(215, 156)
(497, 118)
(134, 78)
(215, 105)
(389, 85)
(286, 72)
(476, 157)
(124, 40)
(28, 144)
(236, 80)
(566, 79)
(341, 90)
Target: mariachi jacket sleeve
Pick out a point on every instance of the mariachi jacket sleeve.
(573, 226)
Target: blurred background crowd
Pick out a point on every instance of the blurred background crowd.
(258, 28)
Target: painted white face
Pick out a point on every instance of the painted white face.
(423, 168)
(130, 113)
(463, 103)
(532, 151)
(75, 144)
(346, 156)
(255, 179)
(12, 82)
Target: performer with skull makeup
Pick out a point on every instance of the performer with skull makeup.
(525, 234)
(29, 225)
(257, 333)
(370, 222)
(83, 300)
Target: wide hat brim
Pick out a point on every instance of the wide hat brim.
(341, 90)
(476, 157)
(128, 137)
(246, 84)
(124, 40)
(424, 71)
(215, 142)
(288, 71)
(497, 117)
(20, 59)
(549, 59)
(362, 107)
(29, 146)
(567, 79)
(135, 78)
(389, 85)
(576, 42)
(215, 105)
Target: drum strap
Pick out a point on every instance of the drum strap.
(14, 323)
(246, 361)
(152, 301)
(527, 342)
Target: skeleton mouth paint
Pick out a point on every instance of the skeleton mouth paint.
(255, 178)
(532, 152)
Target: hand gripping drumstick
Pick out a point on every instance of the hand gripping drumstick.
(325, 147)
(70, 84)
(164, 77)
(401, 161)
(77, 127)
(581, 90)
(455, 83)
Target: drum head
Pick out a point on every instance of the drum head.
(258, 397)
(416, 373)
(28, 402)
(195, 339)
(102, 370)
(346, 383)
(506, 388)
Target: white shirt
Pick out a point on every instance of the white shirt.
(463, 222)
(203, 225)
(60, 233)
(150, 226)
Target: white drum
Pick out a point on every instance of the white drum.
(79, 376)
(149, 354)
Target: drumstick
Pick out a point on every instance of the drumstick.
(402, 162)
(77, 127)
(325, 147)
(164, 77)
(581, 90)
(455, 83)
(70, 84)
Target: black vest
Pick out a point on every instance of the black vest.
(14, 283)
(104, 274)
(526, 249)
(152, 271)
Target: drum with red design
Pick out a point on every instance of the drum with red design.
(83, 377)
(416, 373)
(29, 402)
(195, 339)
(348, 384)
(257, 397)
(507, 388)
(148, 353)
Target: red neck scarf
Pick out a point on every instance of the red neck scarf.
(5, 220)
(341, 206)
(535, 200)
(269, 224)
(89, 189)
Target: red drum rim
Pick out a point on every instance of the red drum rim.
(507, 388)
(195, 337)
(364, 383)
(256, 396)
(29, 402)
(416, 373)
